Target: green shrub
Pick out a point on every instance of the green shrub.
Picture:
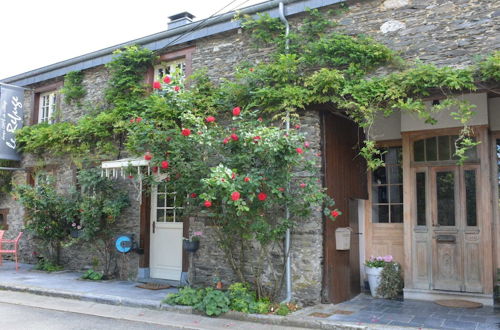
(92, 275)
(391, 281)
(241, 298)
(283, 310)
(214, 302)
(186, 296)
(47, 266)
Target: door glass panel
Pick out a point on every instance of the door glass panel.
(421, 206)
(380, 213)
(445, 195)
(379, 176)
(470, 197)
(419, 151)
(397, 213)
(396, 194)
(160, 215)
(395, 174)
(169, 215)
(380, 194)
(444, 147)
(431, 149)
(160, 201)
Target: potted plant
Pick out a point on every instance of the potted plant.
(76, 230)
(373, 269)
(193, 243)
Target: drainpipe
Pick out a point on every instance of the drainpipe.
(288, 270)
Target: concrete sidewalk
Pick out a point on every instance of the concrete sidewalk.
(67, 284)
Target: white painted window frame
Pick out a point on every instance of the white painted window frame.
(47, 107)
(169, 68)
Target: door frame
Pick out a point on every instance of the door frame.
(484, 203)
(146, 228)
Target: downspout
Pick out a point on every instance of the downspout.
(288, 270)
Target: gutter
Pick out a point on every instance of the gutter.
(158, 41)
(288, 267)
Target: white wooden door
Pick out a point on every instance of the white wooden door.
(166, 234)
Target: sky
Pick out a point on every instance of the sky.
(36, 33)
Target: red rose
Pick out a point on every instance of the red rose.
(156, 85)
(281, 189)
(236, 111)
(233, 176)
(235, 196)
(130, 176)
(210, 119)
(246, 179)
(256, 139)
(306, 144)
(155, 169)
(186, 132)
(303, 185)
(318, 154)
(225, 141)
(262, 196)
(167, 80)
(148, 156)
(334, 213)
(132, 120)
(177, 88)
(207, 203)
(234, 137)
(297, 126)
(138, 119)
(259, 119)
(164, 164)
(299, 150)
(193, 195)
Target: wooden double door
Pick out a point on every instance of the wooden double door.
(448, 222)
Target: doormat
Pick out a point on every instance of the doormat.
(457, 303)
(153, 286)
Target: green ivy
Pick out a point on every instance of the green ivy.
(73, 88)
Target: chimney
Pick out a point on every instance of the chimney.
(180, 20)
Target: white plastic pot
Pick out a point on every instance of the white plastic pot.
(373, 274)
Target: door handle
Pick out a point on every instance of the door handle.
(154, 226)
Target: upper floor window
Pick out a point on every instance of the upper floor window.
(387, 188)
(170, 68)
(47, 107)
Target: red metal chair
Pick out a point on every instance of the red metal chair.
(15, 246)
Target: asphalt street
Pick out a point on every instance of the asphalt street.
(25, 311)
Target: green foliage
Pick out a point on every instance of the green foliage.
(73, 88)
(92, 275)
(47, 215)
(214, 302)
(489, 68)
(283, 310)
(241, 298)
(186, 296)
(47, 266)
(264, 30)
(391, 281)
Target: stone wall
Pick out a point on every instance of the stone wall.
(434, 31)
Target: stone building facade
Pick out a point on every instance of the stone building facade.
(436, 31)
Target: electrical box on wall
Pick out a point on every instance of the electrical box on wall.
(343, 238)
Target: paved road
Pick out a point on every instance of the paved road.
(24, 311)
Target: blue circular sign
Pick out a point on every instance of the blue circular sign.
(123, 244)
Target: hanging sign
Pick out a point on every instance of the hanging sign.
(11, 119)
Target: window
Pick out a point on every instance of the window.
(46, 107)
(387, 188)
(3, 219)
(168, 205)
(171, 68)
(439, 148)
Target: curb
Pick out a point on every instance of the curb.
(287, 321)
